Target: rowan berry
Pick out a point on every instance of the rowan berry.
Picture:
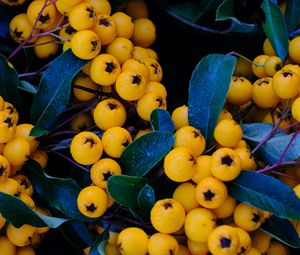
(121, 48)
(180, 116)
(258, 66)
(240, 91)
(125, 26)
(106, 28)
(136, 66)
(294, 47)
(155, 70)
(83, 16)
(144, 33)
(226, 209)
(20, 236)
(272, 65)
(268, 48)
(162, 244)
(100, 6)
(7, 247)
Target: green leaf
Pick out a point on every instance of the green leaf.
(38, 131)
(292, 14)
(161, 121)
(145, 152)
(272, 149)
(266, 193)
(54, 89)
(226, 12)
(125, 189)
(57, 192)
(26, 86)
(282, 230)
(17, 213)
(207, 92)
(9, 80)
(77, 234)
(146, 199)
(98, 246)
(275, 28)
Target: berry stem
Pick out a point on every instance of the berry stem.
(65, 132)
(286, 175)
(234, 53)
(71, 161)
(35, 72)
(287, 147)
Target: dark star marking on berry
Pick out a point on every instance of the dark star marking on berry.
(110, 67)
(243, 250)
(196, 134)
(287, 73)
(126, 143)
(9, 122)
(91, 12)
(171, 252)
(160, 101)
(70, 30)
(168, 205)
(17, 33)
(136, 79)
(94, 45)
(155, 66)
(25, 184)
(11, 109)
(90, 140)
(263, 81)
(278, 67)
(256, 217)
(227, 160)
(111, 106)
(225, 242)
(91, 207)
(2, 170)
(104, 22)
(106, 175)
(208, 195)
(44, 18)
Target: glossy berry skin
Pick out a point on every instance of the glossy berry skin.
(45, 47)
(158, 88)
(144, 33)
(296, 109)
(7, 247)
(260, 241)
(102, 170)
(23, 131)
(105, 69)
(20, 236)
(130, 85)
(17, 151)
(240, 91)
(286, 84)
(4, 169)
(276, 248)
(100, 6)
(248, 217)
(136, 66)
(294, 47)
(149, 102)
(199, 223)
(84, 82)
(191, 138)
(27, 250)
(7, 127)
(272, 65)
(167, 216)
(162, 244)
(25, 184)
(223, 240)
(86, 148)
(20, 28)
(180, 164)
(203, 166)
(263, 94)
(115, 140)
(226, 164)
(85, 44)
(40, 157)
(258, 66)
(87, 14)
(268, 48)
(11, 187)
(125, 26)
(106, 28)
(109, 113)
(133, 241)
(226, 209)
(92, 201)
(155, 70)
(47, 18)
(247, 160)
(180, 116)
(228, 133)
(211, 193)
(245, 240)
(200, 248)
(121, 48)
(185, 194)
(140, 53)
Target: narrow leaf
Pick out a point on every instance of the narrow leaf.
(225, 11)
(77, 234)
(161, 121)
(38, 131)
(55, 88)
(17, 213)
(282, 230)
(57, 192)
(207, 92)
(275, 28)
(145, 152)
(266, 193)
(26, 86)
(9, 80)
(146, 199)
(98, 246)
(292, 14)
(125, 189)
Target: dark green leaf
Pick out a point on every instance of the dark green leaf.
(226, 12)
(54, 89)
(275, 28)
(207, 92)
(98, 246)
(145, 152)
(282, 230)
(9, 83)
(266, 193)
(161, 121)
(26, 86)
(17, 213)
(77, 234)
(125, 189)
(38, 131)
(292, 14)
(146, 199)
(57, 192)
(271, 150)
